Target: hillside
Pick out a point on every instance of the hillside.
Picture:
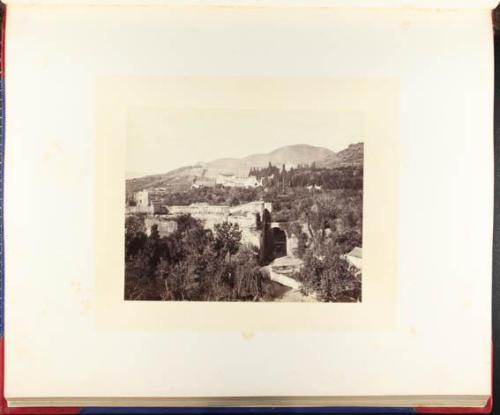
(351, 155)
(291, 156)
(294, 155)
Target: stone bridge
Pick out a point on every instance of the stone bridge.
(285, 243)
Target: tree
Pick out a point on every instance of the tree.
(186, 222)
(135, 235)
(227, 239)
(338, 281)
(327, 273)
(248, 284)
(347, 240)
(175, 279)
(266, 253)
(301, 244)
(152, 252)
(258, 221)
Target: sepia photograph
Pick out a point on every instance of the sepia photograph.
(244, 205)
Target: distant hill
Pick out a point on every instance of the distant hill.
(291, 156)
(349, 156)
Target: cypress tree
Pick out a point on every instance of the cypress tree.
(266, 253)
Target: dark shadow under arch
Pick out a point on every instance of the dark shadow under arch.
(279, 237)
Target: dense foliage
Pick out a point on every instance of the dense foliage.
(192, 264)
(329, 275)
(345, 177)
(277, 184)
(320, 207)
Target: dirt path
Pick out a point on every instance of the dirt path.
(293, 295)
(283, 279)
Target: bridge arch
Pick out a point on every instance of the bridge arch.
(280, 242)
(291, 241)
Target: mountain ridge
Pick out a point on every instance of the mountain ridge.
(290, 156)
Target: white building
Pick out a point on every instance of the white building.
(238, 181)
(355, 257)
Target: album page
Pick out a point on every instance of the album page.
(269, 201)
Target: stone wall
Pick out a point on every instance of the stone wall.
(134, 210)
(166, 225)
(244, 215)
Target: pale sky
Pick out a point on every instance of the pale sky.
(162, 139)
